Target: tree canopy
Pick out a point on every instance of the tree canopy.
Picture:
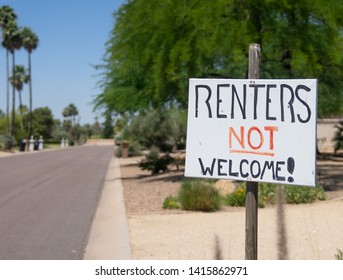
(156, 46)
(42, 122)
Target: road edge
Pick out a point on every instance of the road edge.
(109, 235)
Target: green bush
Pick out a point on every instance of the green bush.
(267, 195)
(7, 142)
(296, 195)
(164, 128)
(134, 149)
(154, 162)
(118, 151)
(171, 202)
(237, 198)
(199, 195)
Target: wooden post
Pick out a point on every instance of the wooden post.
(251, 202)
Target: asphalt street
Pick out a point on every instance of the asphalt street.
(48, 201)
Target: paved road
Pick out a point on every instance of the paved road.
(48, 201)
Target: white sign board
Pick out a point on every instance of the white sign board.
(258, 130)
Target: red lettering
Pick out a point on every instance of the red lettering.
(271, 130)
(254, 128)
(255, 138)
(239, 139)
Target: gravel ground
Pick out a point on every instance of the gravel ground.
(314, 231)
(145, 193)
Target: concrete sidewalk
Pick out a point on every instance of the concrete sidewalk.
(109, 235)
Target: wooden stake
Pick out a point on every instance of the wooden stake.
(251, 202)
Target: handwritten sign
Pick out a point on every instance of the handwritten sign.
(259, 130)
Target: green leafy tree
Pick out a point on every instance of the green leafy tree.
(30, 43)
(87, 130)
(156, 46)
(42, 122)
(96, 127)
(58, 131)
(67, 125)
(164, 128)
(108, 127)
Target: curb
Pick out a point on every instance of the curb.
(109, 235)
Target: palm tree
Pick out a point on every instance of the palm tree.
(21, 77)
(13, 41)
(71, 112)
(7, 15)
(30, 43)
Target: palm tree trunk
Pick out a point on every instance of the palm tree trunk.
(30, 88)
(7, 93)
(21, 112)
(13, 95)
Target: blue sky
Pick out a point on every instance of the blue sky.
(72, 36)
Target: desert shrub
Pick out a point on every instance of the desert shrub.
(118, 151)
(164, 128)
(199, 195)
(237, 198)
(171, 202)
(154, 162)
(134, 149)
(296, 195)
(7, 142)
(267, 194)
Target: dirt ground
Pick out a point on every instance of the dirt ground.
(314, 231)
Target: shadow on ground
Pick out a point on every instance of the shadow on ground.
(330, 174)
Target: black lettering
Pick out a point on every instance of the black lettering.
(206, 170)
(268, 101)
(220, 116)
(244, 175)
(233, 174)
(256, 87)
(255, 162)
(207, 100)
(278, 169)
(299, 87)
(269, 165)
(242, 105)
(290, 103)
(220, 166)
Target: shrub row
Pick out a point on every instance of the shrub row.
(267, 194)
(201, 195)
